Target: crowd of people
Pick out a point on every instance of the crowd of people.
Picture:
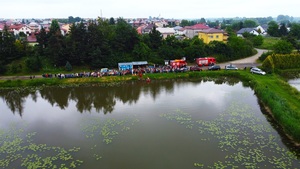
(140, 71)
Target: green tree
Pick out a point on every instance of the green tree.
(185, 22)
(273, 29)
(77, 44)
(283, 30)
(8, 47)
(141, 51)
(33, 64)
(249, 23)
(257, 40)
(112, 21)
(196, 49)
(68, 66)
(282, 47)
(126, 37)
(202, 20)
(155, 38)
(240, 47)
(236, 26)
(42, 39)
(99, 42)
(295, 30)
(56, 44)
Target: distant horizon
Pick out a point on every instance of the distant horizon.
(237, 17)
(131, 8)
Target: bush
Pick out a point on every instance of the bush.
(265, 55)
(68, 66)
(268, 64)
(2, 68)
(283, 47)
(33, 64)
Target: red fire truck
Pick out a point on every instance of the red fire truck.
(178, 63)
(207, 61)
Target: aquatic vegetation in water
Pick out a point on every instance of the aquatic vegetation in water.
(180, 117)
(19, 147)
(249, 142)
(107, 129)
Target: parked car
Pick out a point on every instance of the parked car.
(195, 68)
(214, 67)
(231, 67)
(257, 71)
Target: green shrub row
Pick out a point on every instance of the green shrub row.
(281, 61)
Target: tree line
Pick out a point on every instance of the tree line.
(105, 43)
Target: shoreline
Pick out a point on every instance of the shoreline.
(282, 105)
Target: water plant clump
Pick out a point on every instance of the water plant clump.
(106, 129)
(249, 142)
(18, 149)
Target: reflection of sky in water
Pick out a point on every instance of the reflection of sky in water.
(198, 98)
(295, 83)
(152, 137)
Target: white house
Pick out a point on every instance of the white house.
(166, 32)
(249, 30)
(261, 30)
(16, 29)
(177, 30)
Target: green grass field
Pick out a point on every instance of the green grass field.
(269, 42)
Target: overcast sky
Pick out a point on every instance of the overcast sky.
(143, 9)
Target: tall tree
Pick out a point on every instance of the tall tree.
(202, 20)
(125, 36)
(295, 30)
(155, 38)
(249, 23)
(273, 29)
(112, 21)
(42, 39)
(78, 43)
(283, 30)
(56, 45)
(8, 49)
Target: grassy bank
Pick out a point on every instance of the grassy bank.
(276, 94)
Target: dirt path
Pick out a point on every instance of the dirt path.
(241, 63)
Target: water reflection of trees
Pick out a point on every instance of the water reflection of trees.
(15, 99)
(101, 98)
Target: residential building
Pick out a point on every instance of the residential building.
(148, 28)
(192, 31)
(259, 30)
(32, 40)
(165, 32)
(18, 28)
(212, 34)
(252, 31)
(177, 30)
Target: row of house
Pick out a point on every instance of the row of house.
(31, 29)
(202, 31)
(142, 25)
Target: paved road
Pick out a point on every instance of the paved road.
(246, 62)
(241, 63)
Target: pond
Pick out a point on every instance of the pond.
(162, 124)
(295, 83)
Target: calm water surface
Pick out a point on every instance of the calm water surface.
(166, 124)
(295, 83)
